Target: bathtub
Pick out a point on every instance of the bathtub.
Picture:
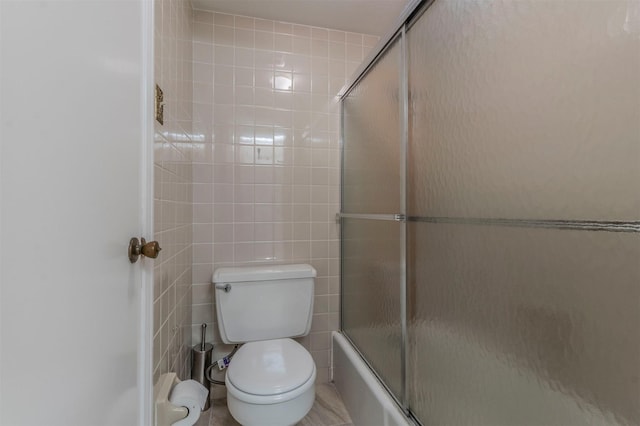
(526, 399)
(364, 397)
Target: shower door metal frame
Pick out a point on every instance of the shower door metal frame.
(413, 9)
(397, 36)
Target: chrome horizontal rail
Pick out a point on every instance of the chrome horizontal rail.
(392, 217)
(581, 225)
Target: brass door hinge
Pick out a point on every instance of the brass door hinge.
(159, 105)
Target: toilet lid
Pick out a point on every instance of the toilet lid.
(270, 367)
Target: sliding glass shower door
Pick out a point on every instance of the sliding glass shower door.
(372, 240)
(491, 213)
(523, 199)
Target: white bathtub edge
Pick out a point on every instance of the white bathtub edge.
(366, 400)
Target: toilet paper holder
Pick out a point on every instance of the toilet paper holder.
(166, 412)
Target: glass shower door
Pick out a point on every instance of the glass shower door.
(372, 240)
(524, 214)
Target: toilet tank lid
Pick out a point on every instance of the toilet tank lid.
(263, 273)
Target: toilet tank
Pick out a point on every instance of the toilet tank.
(264, 302)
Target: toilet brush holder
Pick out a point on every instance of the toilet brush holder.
(201, 357)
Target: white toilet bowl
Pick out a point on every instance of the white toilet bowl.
(271, 383)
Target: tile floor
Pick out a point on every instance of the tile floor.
(327, 410)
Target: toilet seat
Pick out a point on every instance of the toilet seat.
(270, 371)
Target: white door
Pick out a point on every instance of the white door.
(75, 128)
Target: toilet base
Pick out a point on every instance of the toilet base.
(281, 414)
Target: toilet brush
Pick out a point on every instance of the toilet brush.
(203, 336)
(201, 360)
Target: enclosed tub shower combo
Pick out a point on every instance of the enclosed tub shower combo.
(491, 214)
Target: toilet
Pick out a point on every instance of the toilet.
(270, 380)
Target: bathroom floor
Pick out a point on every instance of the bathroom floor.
(327, 410)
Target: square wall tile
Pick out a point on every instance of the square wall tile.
(179, 67)
(266, 191)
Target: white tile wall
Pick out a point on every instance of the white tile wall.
(266, 157)
(173, 192)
